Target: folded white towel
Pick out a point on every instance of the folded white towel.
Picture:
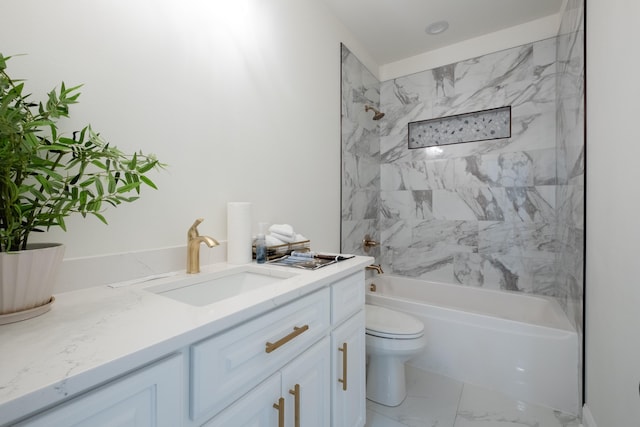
(283, 230)
(273, 241)
(300, 238)
(286, 239)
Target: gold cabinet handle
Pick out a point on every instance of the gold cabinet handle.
(343, 380)
(296, 407)
(269, 347)
(280, 407)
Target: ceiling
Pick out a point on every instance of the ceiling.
(391, 30)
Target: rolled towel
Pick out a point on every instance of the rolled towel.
(286, 239)
(283, 230)
(272, 241)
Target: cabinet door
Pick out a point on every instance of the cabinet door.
(228, 365)
(149, 397)
(306, 379)
(348, 373)
(255, 409)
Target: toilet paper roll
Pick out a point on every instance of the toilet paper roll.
(239, 242)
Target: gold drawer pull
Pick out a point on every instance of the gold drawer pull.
(280, 407)
(282, 341)
(343, 380)
(296, 409)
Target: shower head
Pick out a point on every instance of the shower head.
(377, 114)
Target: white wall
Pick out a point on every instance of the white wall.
(241, 98)
(613, 203)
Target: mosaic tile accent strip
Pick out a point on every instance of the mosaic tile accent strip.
(476, 126)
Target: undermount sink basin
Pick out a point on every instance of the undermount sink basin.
(207, 288)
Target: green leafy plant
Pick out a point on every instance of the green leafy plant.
(46, 176)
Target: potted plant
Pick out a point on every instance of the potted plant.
(45, 176)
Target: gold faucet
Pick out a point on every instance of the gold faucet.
(376, 267)
(193, 246)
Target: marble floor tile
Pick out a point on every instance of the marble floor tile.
(377, 420)
(437, 401)
(480, 407)
(431, 401)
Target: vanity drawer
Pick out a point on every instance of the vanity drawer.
(228, 365)
(347, 297)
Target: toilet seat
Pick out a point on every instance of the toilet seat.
(385, 323)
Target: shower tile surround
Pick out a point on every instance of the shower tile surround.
(570, 159)
(360, 156)
(486, 213)
(501, 214)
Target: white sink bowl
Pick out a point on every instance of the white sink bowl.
(208, 288)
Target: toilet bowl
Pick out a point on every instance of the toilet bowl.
(392, 338)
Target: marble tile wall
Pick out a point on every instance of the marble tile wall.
(503, 214)
(570, 159)
(360, 155)
(570, 155)
(480, 213)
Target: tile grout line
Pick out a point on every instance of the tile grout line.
(455, 419)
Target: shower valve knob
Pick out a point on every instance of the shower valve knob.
(368, 243)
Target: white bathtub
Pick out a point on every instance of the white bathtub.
(518, 344)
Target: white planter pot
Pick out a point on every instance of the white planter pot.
(27, 279)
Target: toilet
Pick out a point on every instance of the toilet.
(392, 338)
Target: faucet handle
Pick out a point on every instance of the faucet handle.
(193, 230)
(368, 243)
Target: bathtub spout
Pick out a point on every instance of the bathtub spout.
(376, 267)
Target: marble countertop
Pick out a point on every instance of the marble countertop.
(92, 335)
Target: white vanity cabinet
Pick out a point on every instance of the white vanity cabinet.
(348, 390)
(348, 357)
(306, 388)
(298, 360)
(228, 365)
(151, 396)
(328, 379)
(298, 395)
